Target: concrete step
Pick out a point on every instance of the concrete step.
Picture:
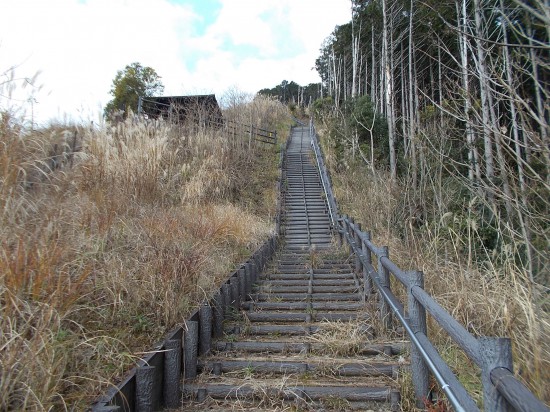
(319, 306)
(301, 296)
(337, 367)
(304, 348)
(284, 329)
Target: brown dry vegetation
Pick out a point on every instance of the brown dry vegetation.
(100, 257)
(492, 297)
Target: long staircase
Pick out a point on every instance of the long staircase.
(305, 340)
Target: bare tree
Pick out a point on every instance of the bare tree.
(388, 89)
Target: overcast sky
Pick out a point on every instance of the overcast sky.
(196, 46)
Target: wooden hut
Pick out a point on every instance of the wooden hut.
(202, 110)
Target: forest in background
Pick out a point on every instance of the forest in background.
(295, 96)
(451, 92)
(434, 120)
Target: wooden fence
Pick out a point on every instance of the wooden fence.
(251, 132)
(493, 355)
(206, 116)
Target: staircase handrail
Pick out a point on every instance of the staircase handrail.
(501, 389)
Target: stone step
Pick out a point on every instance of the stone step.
(350, 281)
(306, 276)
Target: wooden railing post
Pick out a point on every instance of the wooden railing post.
(226, 299)
(190, 349)
(218, 314)
(367, 281)
(242, 283)
(340, 228)
(205, 328)
(235, 297)
(357, 239)
(146, 396)
(250, 274)
(417, 318)
(495, 353)
(349, 226)
(172, 373)
(384, 276)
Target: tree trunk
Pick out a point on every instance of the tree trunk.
(373, 87)
(540, 101)
(388, 85)
(412, 91)
(523, 218)
(335, 76)
(440, 85)
(473, 161)
(484, 91)
(355, 57)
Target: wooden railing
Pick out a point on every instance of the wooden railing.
(493, 355)
(246, 130)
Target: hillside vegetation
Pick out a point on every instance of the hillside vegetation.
(486, 292)
(110, 235)
(435, 124)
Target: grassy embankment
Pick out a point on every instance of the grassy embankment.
(100, 257)
(491, 296)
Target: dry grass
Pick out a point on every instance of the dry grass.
(103, 253)
(492, 298)
(338, 339)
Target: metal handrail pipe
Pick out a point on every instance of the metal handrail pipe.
(400, 274)
(460, 335)
(393, 301)
(439, 376)
(322, 172)
(446, 372)
(324, 180)
(374, 273)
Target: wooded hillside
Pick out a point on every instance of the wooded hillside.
(454, 89)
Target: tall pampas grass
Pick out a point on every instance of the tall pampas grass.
(109, 236)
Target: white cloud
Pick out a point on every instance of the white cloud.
(79, 45)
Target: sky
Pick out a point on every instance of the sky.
(75, 48)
